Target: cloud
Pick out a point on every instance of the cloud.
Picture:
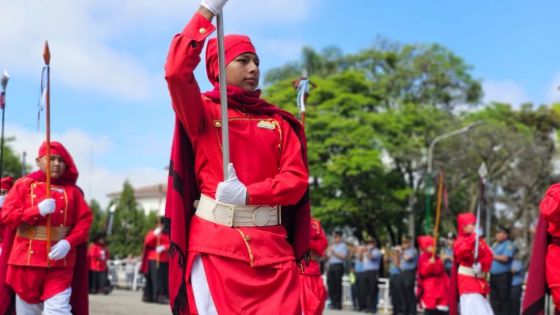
(504, 91)
(95, 179)
(554, 90)
(91, 39)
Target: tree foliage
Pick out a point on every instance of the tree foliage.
(372, 117)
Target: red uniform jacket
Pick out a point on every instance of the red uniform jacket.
(152, 241)
(318, 243)
(463, 251)
(98, 255)
(550, 210)
(21, 212)
(265, 150)
(433, 283)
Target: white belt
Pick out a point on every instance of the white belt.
(467, 271)
(234, 215)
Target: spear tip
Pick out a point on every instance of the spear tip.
(5, 78)
(47, 53)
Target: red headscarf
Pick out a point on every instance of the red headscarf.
(70, 175)
(234, 45)
(425, 241)
(464, 219)
(6, 183)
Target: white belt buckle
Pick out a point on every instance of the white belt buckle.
(261, 216)
(224, 214)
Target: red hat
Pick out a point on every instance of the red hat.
(71, 173)
(464, 219)
(234, 45)
(6, 182)
(425, 241)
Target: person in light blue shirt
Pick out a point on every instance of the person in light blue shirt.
(500, 272)
(518, 271)
(447, 253)
(338, 252)
(358, 269)
(372, 262)
(408, 260)
(396, 288)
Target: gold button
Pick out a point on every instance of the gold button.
(61, 211)
(62, 225)
(217, 123)
(247, 237)
(202, 30)
(31, 252)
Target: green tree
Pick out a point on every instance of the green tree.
(128, 224)
(11, 162)
(99, 223)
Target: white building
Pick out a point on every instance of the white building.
(149, 198)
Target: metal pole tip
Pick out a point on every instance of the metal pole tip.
(5, 79)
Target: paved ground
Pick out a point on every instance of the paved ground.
(121, 302)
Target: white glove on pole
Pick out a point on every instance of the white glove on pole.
(160, 249)
(59, 250)
(157, 231)
(476, 268)
(214, 6)
(46, 206)
(2, 199)
(231, 191)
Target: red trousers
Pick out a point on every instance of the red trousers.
(36, 284)
(312, 294)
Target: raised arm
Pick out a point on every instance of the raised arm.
(182, 59)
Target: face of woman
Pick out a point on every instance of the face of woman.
(57, 165)
(243, 71)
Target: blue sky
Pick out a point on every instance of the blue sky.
(110, 102)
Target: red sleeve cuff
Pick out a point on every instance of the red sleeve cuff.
(31, 215)
(259, 194)
(198, 28)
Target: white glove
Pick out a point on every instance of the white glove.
(46, 206)
(2, 199)
(160, 249)
(157, 231)
(214, 6)
(231, 191)
(476, 268)
(59, 250)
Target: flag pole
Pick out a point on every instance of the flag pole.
(4, 81)
(223, 94)
(438, 212)
(47, 59)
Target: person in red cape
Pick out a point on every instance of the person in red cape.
(468, 276)
(155, 265)
(313, 293)
(6, 184)
(433, 282)
(6, 294)
(98, 255)
(55, 279)
(236, 251)
(545, 257)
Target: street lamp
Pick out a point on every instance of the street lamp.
(429, 190)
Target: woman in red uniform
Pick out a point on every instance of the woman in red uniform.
(38, 275)
(433, 282)
(98, 255)
(470, 274)
(313, 292)
(155, 265)
(234, 257)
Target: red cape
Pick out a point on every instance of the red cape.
(183, 191)
(535, 291)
